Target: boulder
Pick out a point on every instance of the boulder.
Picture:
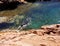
(55, 29)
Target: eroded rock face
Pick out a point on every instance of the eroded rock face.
(52, 29)
(47, 30)
(34, 37)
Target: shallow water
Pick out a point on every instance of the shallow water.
(41, 13)
(44, 13)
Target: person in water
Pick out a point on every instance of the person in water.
(25, 23)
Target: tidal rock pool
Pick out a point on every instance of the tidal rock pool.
(44, 13)
(40, 13)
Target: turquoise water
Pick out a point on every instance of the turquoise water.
(43, 14)
(40, 13)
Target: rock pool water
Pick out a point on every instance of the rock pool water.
(41, 13)
(44, 13)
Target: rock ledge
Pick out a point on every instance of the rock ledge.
(48, 35)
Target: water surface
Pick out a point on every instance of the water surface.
(41, 13)
(44, 13)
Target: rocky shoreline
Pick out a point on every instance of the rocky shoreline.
(48, 35)
(47, 29)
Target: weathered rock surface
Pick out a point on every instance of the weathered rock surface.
(52, 29)
(34, 37)
(3, 19)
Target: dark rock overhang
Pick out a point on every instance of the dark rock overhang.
(9, 5)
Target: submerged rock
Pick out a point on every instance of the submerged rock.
(3, 19)
(13, 16)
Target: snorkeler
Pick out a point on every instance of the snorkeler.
(25, 23)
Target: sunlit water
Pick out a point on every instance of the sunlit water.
(42, 13)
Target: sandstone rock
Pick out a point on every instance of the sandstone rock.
(33, 37)
(37, 31)
(55, 28)
(16, 39)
